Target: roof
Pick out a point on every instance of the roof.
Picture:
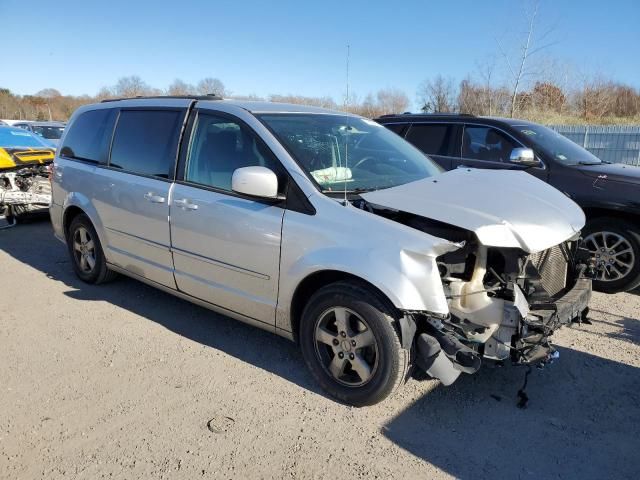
(416, 117)
(47, 124)
(249, 105)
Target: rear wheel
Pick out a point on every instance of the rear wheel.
(86, 252)
(615, 246)
(351, 345)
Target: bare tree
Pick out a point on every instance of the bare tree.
(48, 93)
(392, 100)
(132, 86)
(212, 86)
(520, 68)
(437, 95)
(178, 87)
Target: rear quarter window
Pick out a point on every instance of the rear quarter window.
(432, 139)
(89, 136)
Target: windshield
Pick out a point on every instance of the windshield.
(558, 146)
(16, 137)
(352, 152)
(50, 132)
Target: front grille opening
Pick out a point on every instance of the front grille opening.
(552, 265)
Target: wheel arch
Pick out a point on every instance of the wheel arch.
(598, 213)
(315, 281)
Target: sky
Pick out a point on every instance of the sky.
(297, 47)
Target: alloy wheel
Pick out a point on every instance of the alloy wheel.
(613, 255)
(84, 250)
(346, 346)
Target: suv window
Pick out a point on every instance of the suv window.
(432, 139)
(146, 141)
(486, 143)
(398, 128)
(89, 136)
(219, 146)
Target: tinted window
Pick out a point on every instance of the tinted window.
(89, 136)
(398, 128)
(146, 141)
(218, 147)
(431, 139)
(486, 143)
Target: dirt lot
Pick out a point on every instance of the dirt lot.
(120, 381)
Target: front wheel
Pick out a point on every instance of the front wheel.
(351, 344)
(615, 246)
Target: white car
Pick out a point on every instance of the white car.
(325, 228)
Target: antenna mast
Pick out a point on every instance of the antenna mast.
(346, 143)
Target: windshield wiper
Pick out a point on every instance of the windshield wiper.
(584, 162)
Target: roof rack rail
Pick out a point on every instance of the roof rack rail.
(209, 96)
(438, 114)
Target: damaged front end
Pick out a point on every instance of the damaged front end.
(504, 305)
(24, 183)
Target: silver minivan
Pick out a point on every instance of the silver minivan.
(325, 228)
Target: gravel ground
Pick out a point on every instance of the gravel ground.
(121, 381)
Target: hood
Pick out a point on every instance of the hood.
(16, 157)
(615, 172)
(503, 208)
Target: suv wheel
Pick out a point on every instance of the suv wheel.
(351, 345)
(615, 245)
(86, 252)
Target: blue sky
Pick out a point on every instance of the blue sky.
(294, 46)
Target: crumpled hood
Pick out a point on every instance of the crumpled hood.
(503, 208)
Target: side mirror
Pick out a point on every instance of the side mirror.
(255, 181)
(523, 156)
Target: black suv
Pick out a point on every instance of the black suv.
(608, 193)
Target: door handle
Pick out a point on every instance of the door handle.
(153, 198)
(185, 204)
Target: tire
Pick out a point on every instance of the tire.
(373, 362)
(83, 241)
(622, 257)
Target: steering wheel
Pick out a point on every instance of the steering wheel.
(364, 159)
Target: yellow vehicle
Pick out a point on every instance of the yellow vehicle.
(24, 174)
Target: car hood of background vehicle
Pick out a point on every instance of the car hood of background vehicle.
(615, 172)
(503, 208)
(15, 157)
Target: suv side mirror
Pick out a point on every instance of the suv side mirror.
(523, 156)
(255, 181)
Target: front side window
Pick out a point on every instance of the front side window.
(349, 153)
(432, 139)
(146, 141)
(89, 136)
(486, 143)
(219, 146)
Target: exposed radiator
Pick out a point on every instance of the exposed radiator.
(552, 265)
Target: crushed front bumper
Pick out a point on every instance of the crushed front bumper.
(544, 318)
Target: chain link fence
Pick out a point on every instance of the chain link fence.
(616, 143)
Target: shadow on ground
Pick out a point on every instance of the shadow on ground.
(582, 420)
(34, 245)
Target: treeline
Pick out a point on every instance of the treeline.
(595, 100)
